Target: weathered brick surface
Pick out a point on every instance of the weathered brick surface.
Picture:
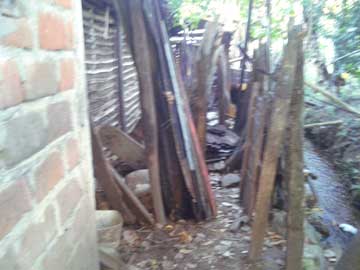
(11, 89)
(68, 199)
(23, 137)
(58, 255)
(37, 237)
(59, 119)
(48, 174)
(64, 3)
(41, 79)
(54, 32)
(67, 74)
(47, 221)
(14, 203)
(9, 260)
(72, 153)
(16, 33)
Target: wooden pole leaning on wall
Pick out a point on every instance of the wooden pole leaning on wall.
(294, 164)
(274, 140)
(104, 176)
(132, 12)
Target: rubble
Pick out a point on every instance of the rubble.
(230, 180)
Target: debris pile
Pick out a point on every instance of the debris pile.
(220, 143)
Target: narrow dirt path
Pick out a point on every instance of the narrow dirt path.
(201, 246)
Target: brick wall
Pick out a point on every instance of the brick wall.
(47, 216)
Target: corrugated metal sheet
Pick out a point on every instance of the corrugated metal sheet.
(130, 86)
(112, 80)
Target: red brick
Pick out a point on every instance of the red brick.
(11, 88)
(67, 74)
(72, 153)
(64, 3)
(48, 174)
(54, 32)
(40, 80)
(68, 199)
(59, 119)
(36, 237)
(19, 34)
(14, 203)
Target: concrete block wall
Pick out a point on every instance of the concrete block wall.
(47, 209)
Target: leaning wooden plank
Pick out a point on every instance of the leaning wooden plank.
(139, 42)
(204, 203)
(294, 165)
(205, 194)
(246, 177)
(131, 200)
(321, 124)
(103, 175)
(278, 122)
(334, 99)
(124, 147)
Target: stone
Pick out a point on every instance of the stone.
(179, 256)
(136, 178)
(311, 235)
(317, 222)
(278, 222)
(313, 258)
(238, 223)
(328, 253)
(310, 198)
(230, 180)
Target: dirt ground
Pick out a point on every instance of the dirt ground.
(202, 246)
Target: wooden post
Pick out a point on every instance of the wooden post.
(246, 178)
(278, 123)
(143, 56)
(204, 79)
(294, 164)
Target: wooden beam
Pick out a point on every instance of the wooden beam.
(131, 200)
(104, 177)
(124, 147)
(274, 140)
(143, 55)
(294, 165)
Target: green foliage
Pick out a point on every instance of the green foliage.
(338, 20)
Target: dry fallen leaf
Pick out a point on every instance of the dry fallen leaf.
(185, 237)
(168, 228)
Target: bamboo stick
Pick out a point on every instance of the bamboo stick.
(329, 123)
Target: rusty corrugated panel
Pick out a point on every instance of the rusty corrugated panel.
(113, 87)
(130, 88)
(102, 63)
